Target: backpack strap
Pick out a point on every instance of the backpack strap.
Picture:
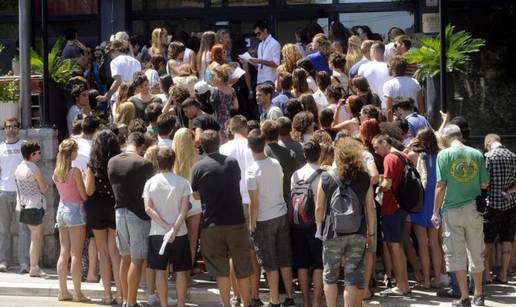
(316, 174)
(336, 178)
(402, 158)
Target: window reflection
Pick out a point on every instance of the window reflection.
(138, 5)
(296, 2)
(247, 2)
(379, 22)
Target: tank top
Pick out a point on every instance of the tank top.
(68, 191)
(29, 195)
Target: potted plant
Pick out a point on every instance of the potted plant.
(9, 100)
(459, 46)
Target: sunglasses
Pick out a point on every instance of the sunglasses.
(11, 127)
(258, 33)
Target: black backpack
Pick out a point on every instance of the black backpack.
(301, 209)
(410, 191)
(345, 214)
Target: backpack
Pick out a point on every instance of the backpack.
(301, 209)
(344, 215)
(410, 191)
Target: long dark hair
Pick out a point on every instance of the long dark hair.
(426, 142)
(104, 148)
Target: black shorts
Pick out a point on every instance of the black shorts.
(499, 223)
(176, 253)
(100, 213)
(32, 216)
(306, 249)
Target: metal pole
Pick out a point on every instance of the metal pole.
(24, 25)
(44, 108)
(443, 18)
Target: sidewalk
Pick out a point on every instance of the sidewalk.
(202, 289)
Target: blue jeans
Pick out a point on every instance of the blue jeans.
(8, 216)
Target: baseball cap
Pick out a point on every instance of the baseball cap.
(201, 87)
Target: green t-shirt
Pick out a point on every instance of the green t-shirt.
(462, 169)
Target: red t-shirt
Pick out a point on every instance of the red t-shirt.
(393, 169)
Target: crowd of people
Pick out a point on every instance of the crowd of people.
(295, 161)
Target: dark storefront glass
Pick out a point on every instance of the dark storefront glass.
(67, 7)
(247, 2)
(138, 5)
(298, 2)
(8, 7)
(145, 27)
(380, 22)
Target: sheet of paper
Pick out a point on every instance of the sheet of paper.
(166, 237)
(237, 73)
(245, 56)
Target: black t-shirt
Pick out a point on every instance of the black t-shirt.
(288, 162)
(128, 173)
(205, 122)
(217, 178)
(360, 185)
(139, 106)
(71, 51)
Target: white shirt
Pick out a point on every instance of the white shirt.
(376, 74)
(164, 142)
(269, 50)
(166, 190)
(273, 112)
(311, 84)
(389, 52)
(343, 114)
(10, 157)
(402, 86)
(187, 55)
(153, 77)
(124, 66)
(238, 149)
(320, 100)
(266, 176)
(83, 154)
(304, 173)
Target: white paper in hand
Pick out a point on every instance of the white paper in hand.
(318, 233)
(237, 73)
(166, 238)
(245, 56)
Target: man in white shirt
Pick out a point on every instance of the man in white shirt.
(268, 56)
(401, 86)
(238, 148)
(10, 157)
(268, 221)
(376, 71)
(166, 198)
(264, 100)
(89, 127)
(122, 67)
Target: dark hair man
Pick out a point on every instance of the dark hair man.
(403, 108)
(285, 82)
(268, 55)
(165, 125)
(81, 105)
(216, 181)
(199, 120)
(89, 125)
(264, 99)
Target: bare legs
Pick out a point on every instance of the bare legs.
(125, 262)
(506, 260)
(71, 240)
(192, 224)
(36, 242)
(181, 287)
(109, 259)
(400, 267)
(273, 281)
(114, 255)
(410, 251)
(370, 260)
(133, 280)
(304, 282)
(437, 255)
(423, 243)
(92, 262)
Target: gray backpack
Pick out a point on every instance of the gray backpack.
(344, 215)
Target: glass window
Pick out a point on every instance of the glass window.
(379, 22)
(296, 2)
(247, 2)
(8, 7)
(365, 1)
(66, 7)
(287, 28)
(216, 3)
(145, 27)
(138, 5)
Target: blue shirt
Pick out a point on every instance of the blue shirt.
(320, 63)
(416, 122)
(353, 71)
(281, 100)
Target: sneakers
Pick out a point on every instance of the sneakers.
(256, 302)
(152, 299)
(235, 302)
(478, 300)
(24, 268)
(447, 293)
(3, 267)
(172, 301)
(288, 302)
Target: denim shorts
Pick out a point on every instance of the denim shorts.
(70, 214)
(132, 234)
(393, 226)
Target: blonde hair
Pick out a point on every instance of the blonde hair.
(156, 39)
(223, 72)
(208, 39)
(184, 147)
(126, 114)
(64, 159)
(354, 53)
(151, 155)
(123, 94)
(290, 55)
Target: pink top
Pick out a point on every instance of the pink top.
(68, 191)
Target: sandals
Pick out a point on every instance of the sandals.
(36, 272)
(109, 301)
(81, 299)
(64, 296)
(393, 292)
(370, 297)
